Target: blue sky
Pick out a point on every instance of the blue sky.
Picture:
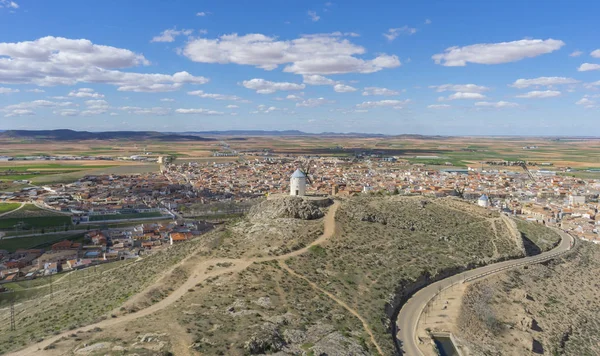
(429, 67)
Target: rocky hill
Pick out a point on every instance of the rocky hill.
(293, 277)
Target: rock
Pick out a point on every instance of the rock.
(374, 219)
(93, 348)
(335, 344)
(266, 340)
(264, 302)
(288, 207)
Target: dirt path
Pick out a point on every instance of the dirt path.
(338, 301)
(200, 273)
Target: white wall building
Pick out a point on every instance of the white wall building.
(298, 183)
(483, 201)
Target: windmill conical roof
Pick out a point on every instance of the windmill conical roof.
(298, 174)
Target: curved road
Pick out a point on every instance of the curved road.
(411, 311)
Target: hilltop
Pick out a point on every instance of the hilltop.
(294, 276)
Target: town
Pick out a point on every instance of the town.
(161, 201)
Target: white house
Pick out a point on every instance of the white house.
(298, 183)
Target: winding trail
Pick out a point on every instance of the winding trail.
(411, 311)
(202, 272)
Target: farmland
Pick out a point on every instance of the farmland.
(8, 207)
(39, 241)
(125, 216)
(30, 217)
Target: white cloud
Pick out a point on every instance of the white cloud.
(199, 112)
(588, 66)
(498, 104)
(379, 91)
(314, 102)
(342, 88)
(37, 104)
(202, 94)
(313, 16)
(586, 102)
(439, 106)
(395, 32)
(465, 88)
(203, 13)
(266, 87)
(316, 79)
(396, 104)
(8, 90)
(159, 111)
(51, 61)
(85, 93)
(95, 107)
(595, 53)
(542, 81)
(461, 95)
(427, 22)
(113, 114)
(35, 91)
(66, 112)
(167, 100)
(575, 54)
(538, 94)
(263, 109)
(232, 106)
(170, 34)
(8, 4)
(294, 97)
(496, 53)
(315, 54)
(19, 112)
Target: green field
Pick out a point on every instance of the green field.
(41, 241)
(124, 216)
(29, 172)
(6, 207)
(35, 222)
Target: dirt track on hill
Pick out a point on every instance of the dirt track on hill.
(202, 272)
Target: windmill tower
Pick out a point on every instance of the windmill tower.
(298, 183)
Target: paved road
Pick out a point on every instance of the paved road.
(411, 311)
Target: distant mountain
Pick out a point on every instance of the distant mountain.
(71, 135)
(279, 133)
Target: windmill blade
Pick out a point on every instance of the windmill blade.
(308, 179)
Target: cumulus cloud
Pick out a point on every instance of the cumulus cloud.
(537, 94)
(95, 107)
(595, 53)
(51, 61)
(497, 104)
(167, 100)
(315, 54)
(85, 93)
(464, 88)
(29, 105)
(170, 34)
(392, 33)
(66, 112)
(203, 13)
(316, 79)
(8, 90)
(19, 112)
(463, 95)
(379, 91)
(8, 4)
(588, 66)
(542, 81)
(588, 103)
(263, 109)
(439, 106)
(396, 104)
(232, 106)
(267, 87)
(35, 91)
(202, 94)
(496, 53)
(199, 112)
(575, 54)
(313, 16)
(294, 97)
(342, 88)
(314, 102)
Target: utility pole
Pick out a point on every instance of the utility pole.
(13, 326)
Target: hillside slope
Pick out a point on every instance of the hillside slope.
(551, 308)
(284, 280)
